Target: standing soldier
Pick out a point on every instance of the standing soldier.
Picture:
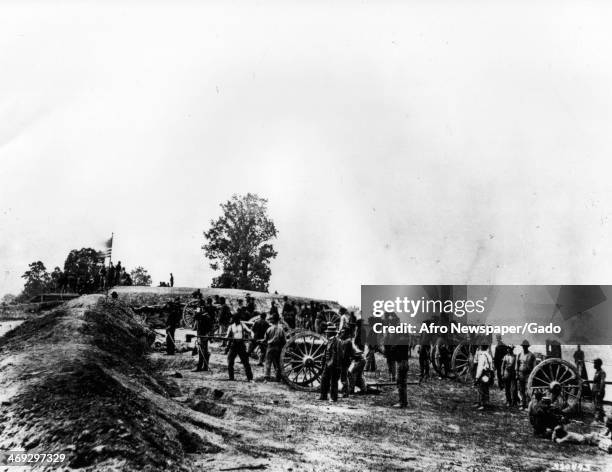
(171, 280)
(599, 389)
(525, 362)
(508, 371)
(250, 305)
(237, 334)
(288, 313)
(346, 346)
(172, 322)
(211, 310)
(332, 363)
(305, 316)
(274, 340)
(423, 361)
(273, 309)
(259, 332)
(344, 319)
(242, 311)
(225, 317)
(204, 326)
(118, 268)
(355, 371)
(103, 277)
(484, 375)
(401, 354)
(500, 351)
(110, 275)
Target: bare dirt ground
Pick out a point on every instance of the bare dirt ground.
(80, 379)
(440, 430)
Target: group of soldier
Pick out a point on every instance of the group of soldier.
(346, 356)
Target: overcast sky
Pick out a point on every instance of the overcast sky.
(397, 142)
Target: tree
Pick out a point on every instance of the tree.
(82, 270)
(8, 298)
(238, 244)
(141, 277)
(37, 280)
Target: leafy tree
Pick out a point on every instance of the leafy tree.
(238, 244)
(141, 277)
(37, 280)
(82, 270)
(8, 298)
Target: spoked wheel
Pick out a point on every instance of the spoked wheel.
(435, 356)
(330, 316)
(460, 362)
(189, 312)
(302, 361)
(556, 370)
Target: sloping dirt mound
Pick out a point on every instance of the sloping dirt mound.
(75, 380)
(139, 296)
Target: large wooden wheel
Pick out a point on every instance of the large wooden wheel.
(302, 361)
(189, 312)
(461, 362)
(556, 370)
(330, 316)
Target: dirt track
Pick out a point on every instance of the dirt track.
(440, 430)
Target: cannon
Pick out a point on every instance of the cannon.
(554, 369)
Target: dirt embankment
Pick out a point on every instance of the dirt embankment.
(76, 380)
(139, 296)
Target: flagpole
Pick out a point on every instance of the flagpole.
(110, 259)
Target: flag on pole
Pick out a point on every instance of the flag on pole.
(108, 249)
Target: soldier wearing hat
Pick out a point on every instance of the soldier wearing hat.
(525, 362)
(599, 389)
(332, 364)
(274, 339)
(508, 374)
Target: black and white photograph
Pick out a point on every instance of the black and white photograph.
(306, 236)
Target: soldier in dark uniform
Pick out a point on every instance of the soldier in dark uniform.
(171, 280)
(306, 317)
(117, 279)
(288, 313)
(423, 361)
(172, 322)
(225, 317)
(401, 354)
(250, 305)
(259, 332)
(346, 345)
(332, 364)
(501, 349)
(242, 311)
(211, 310)
(273, 309)
(204, 326)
